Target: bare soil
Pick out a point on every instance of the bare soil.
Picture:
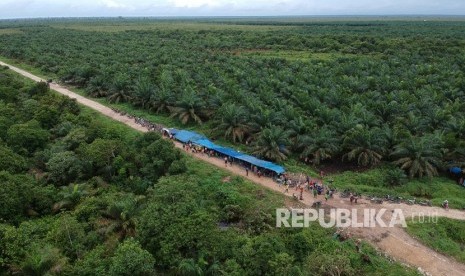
(395, 242)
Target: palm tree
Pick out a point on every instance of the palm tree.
(119, 89)
(143, 92)
(71, 195)
(415, 123)
(299, 128)
(188, 267)
(419, 156)
(319, 145)
(271, 144)
(233, 122)
(456, 125)
(365, 145)
(45, 260)
(161, 101)
(97, 86)
(214, 269)
(458, 155)
(346, 122)
(189, 108)
(262, 118)
(386, 110)
(395, 177)
(119, 218)
(363, 115)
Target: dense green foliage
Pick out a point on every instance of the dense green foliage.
(364, 92)
(444, 235)
(95, 198)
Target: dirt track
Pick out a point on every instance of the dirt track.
(394, 241)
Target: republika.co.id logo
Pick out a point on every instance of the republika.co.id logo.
(348, 218)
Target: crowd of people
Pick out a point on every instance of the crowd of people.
(314, 186)
(189, 146)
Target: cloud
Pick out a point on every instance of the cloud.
(112, 4)
(195, 3)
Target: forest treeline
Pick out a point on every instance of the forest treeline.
(373, 92)
(81, 195)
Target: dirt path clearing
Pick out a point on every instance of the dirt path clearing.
(394, 241)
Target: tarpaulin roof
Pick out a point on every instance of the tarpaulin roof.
(227, 151)
(205, 143)
(455, 170)
(261, 163)
(186, 136)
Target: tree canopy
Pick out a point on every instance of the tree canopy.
(244, 79)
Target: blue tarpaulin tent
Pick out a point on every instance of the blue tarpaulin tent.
(227, 151)
(205, 143)
(261, 163)
(455, 170)
(186, 136)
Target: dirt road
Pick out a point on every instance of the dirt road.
(394, 241)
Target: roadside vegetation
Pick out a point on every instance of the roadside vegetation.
(446, 236)
(83, 195)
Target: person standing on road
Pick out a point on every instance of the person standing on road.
(445, 204)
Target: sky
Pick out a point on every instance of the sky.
(93, 8)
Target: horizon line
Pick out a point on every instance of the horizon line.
(233, 16)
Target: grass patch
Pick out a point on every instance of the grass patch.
(297, 55)
(446, 236)
(292, 55)
(372, 183)
(117, 128)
